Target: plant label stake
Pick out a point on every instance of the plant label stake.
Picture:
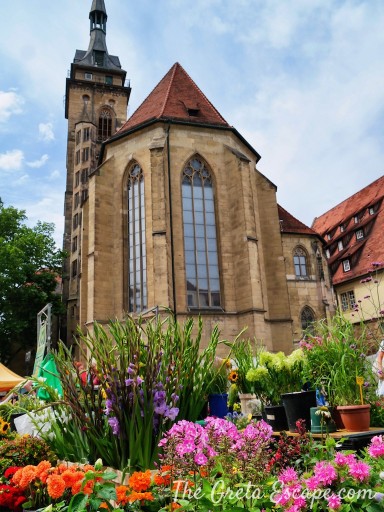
(360, 382)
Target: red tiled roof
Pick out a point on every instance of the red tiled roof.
(364, 252)
(175, 97)
(289, 223)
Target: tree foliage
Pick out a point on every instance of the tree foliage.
(30, 265)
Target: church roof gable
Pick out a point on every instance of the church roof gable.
(176, 97)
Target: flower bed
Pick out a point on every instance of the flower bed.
(211, 468)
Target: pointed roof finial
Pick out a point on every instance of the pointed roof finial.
(97, 53)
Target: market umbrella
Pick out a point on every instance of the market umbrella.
(9, 379)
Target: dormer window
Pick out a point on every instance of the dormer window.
(98, 58)
(356, 219)
(327, 253)
(340, 245)
(371, 210)
(329, 236)
(341, 228)
(359, 234)
(346, 265)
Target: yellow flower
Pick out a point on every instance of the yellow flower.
(233, 376)
(4, 427)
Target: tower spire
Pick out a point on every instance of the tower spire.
(97, 53)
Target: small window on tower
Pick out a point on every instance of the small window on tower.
(109, 80)
(88, 76)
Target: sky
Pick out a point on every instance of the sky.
(301, 80)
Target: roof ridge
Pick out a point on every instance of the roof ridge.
(169, 86)
(351, 197)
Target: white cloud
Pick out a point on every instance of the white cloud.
(10, 104)
(54, 174)
(38, 163)
(11, 160)
(21, 181)
(46, 132)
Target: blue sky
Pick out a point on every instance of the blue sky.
(301, 80)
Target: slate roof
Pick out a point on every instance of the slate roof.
(177, 98)
(289, 224)
(358, 223)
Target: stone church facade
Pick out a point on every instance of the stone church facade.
(175, 217)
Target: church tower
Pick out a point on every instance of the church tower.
(96, 101)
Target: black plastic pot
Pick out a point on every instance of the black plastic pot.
(298, 406)
(276, 417)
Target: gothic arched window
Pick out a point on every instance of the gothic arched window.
(307, 318)
(300, 262)
(200, 243)
(137, 274)
(105, 124)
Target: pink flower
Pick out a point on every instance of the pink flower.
(312, 483)
(334, 501)
(200, 459)
(283, 498)
(343, 460)
(325, 472)
(300, 502)
(359, 470)
(287, 476)
(376, 448)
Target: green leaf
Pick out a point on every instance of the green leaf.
(78, 502)
(107, 493)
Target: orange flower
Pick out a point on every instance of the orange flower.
(179, 485)
(103, 505)
(64, 467)
(140, 480)
(43, 466)
(69, 477)
(28, 474)
(141, 496)
(174, 506)
(17, 476)
(55, 486)
(121, 494)
(88, 487)
(87, 467)
(76, 487)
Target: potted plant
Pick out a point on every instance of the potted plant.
(217, 387)
(245, 356)
(274, 374)
(335, 360)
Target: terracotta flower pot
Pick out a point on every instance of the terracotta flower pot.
(356, 418)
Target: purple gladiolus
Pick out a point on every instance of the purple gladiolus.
(172, 413)
(108, 406)
(114, 424)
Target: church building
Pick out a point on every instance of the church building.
(166, 212)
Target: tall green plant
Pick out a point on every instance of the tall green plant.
(334, 357)
(245, 356)
(149, 375)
